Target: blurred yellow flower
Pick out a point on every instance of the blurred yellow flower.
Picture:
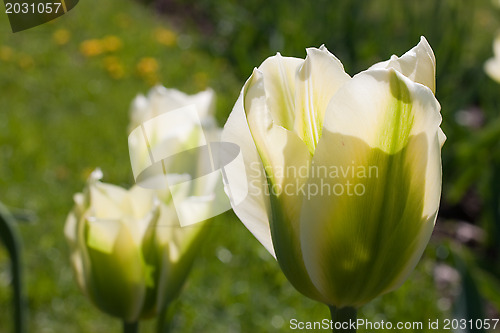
(147, 69)
(165, 36)
(147, 65)
(111, 43)
(94, 47)
(114, 67)
(6, 53)
(61, 36)
(91, 47)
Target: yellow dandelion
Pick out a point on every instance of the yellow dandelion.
(61, 36)
(6, 53)
(114, 67)
(111, 43)
(165, 36)
(147, 66)
(91, 47)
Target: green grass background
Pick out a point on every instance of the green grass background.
(62, 114)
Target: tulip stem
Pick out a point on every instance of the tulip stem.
(130, 327)
(343, 319)
(165, 320)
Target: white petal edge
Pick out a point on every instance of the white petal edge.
(418, 64)
(254, 211)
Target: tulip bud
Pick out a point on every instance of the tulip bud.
(127, 259)
(344, 173)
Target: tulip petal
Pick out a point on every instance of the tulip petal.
(102, 234)
(283, 155)
(78, 260)
(118, 274)
(441, 137)
(492, 68)
(318, 79)
(379, 191)
(144, 209)
(279, 78)
(254, 211)
(418, 64)
(107, 200)
(177, 256)
(141, 201)
(384, 108)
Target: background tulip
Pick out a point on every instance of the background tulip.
(128, 251)
(169, 132)
(294, 115)
(492, 65)
(160, 100)
(174, 144)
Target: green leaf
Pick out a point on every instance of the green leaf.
(11, 239)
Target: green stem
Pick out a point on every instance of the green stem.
(344, 319)
(165, 318)
(130, 327)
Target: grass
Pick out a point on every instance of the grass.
(64, 111)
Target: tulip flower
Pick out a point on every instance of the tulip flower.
(128, 256)
(344, 173)
(174, 144)
(161, 100)
(172, 123)
(492, 65)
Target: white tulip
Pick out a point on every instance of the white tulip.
(344, 174)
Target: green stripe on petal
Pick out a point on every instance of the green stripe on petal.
(117, 278)
(366, 229)
(397, 123)
(318, 79)
(383, 108)
(279, 79)
(282, 153)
